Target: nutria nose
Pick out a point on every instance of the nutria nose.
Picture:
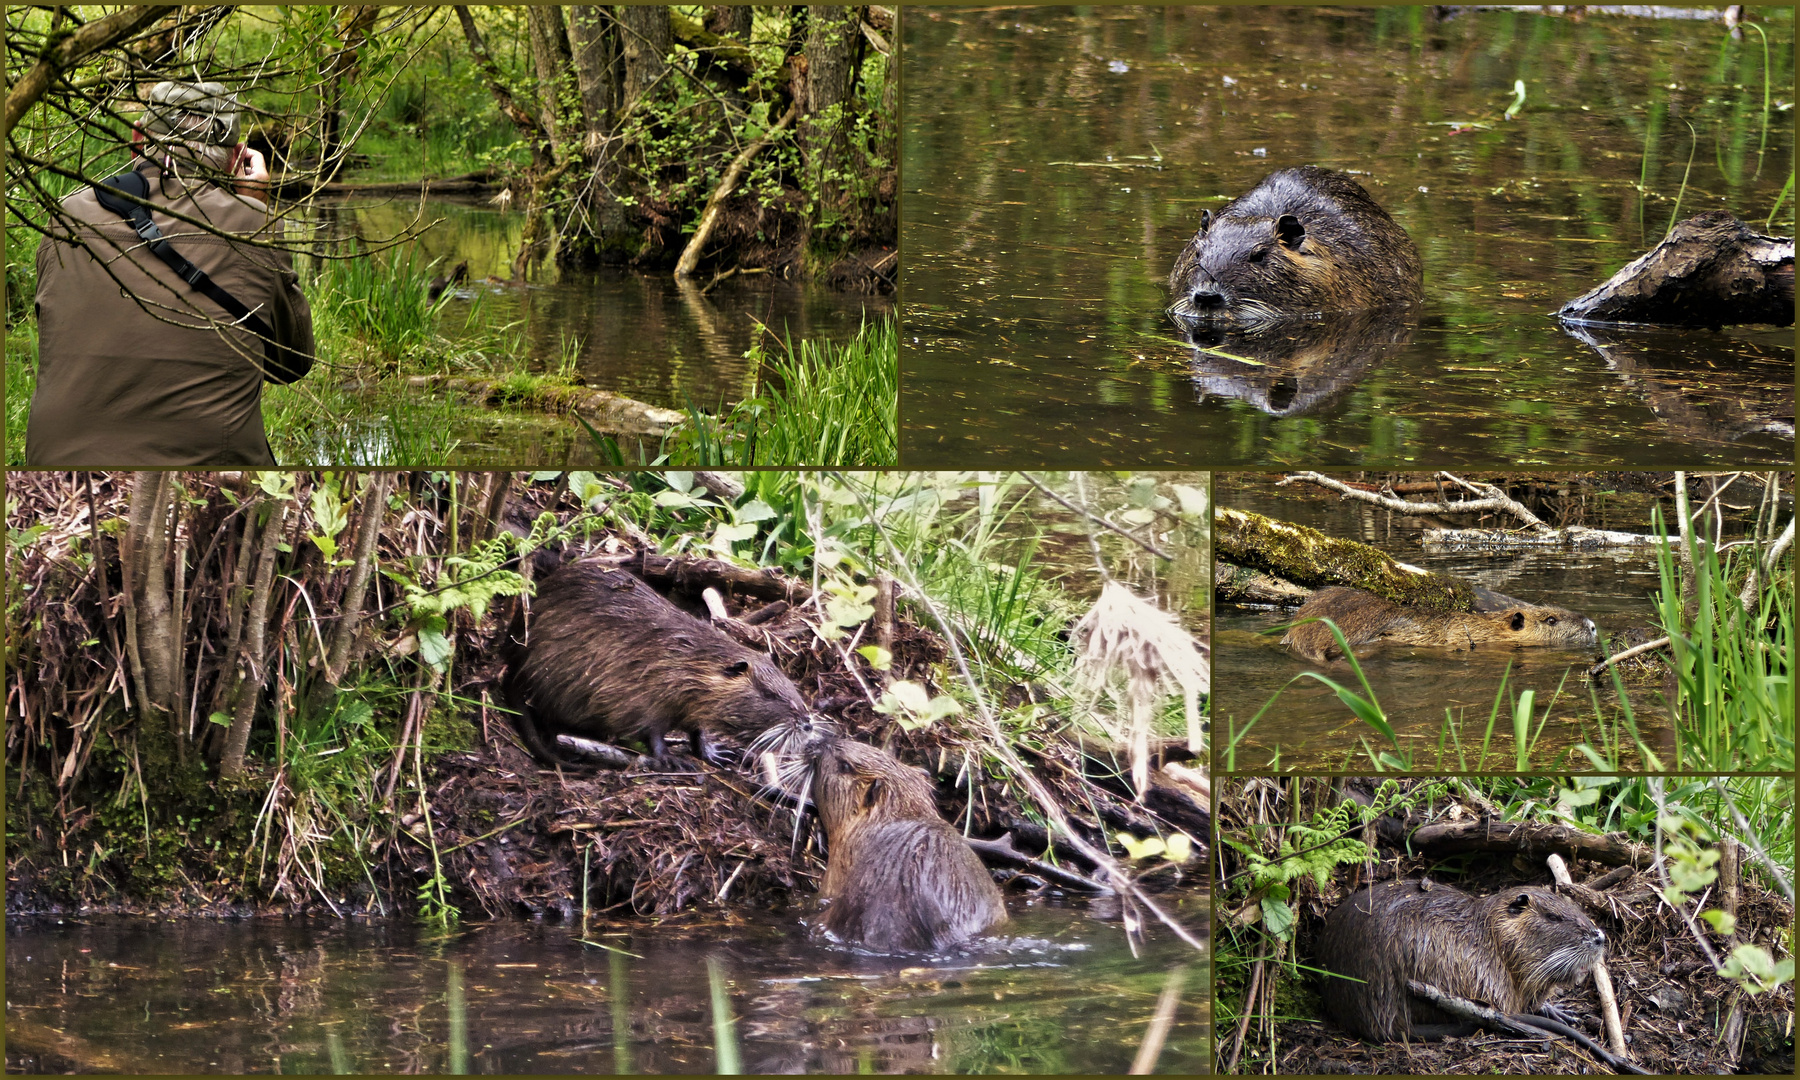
(1206, 301)
(1599, 937)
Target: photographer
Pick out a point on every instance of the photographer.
(156, 335)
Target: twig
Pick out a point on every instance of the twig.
(1151, 1048)
(1096, 519)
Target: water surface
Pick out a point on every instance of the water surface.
(1057, 159)
(1061, 994)
(643, 335)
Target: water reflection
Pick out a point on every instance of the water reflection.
(643, 335)
(1296, 366)
(320, 995)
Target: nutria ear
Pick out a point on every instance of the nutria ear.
(1519, 903)
(1205, 220)
(1518, 620)
(741, 668)
(871, 793)
(1289, 229)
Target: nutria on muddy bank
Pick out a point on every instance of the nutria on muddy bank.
(1302, 241)
(898, 878)
(1500, 621)
(1511, 950)
(606, 657)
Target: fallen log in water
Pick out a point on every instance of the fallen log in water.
(1710, 270)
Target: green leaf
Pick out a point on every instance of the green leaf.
(1181, 847)
(1722, 922)
(221, 719)
(1192, 500)
(753, 511)
(879, 658)
(1278, 918)
(434, 648)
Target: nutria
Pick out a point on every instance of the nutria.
(897, 879)
(1302, 241)
(607, 657)
(1511, 950)
(1499, 621)
(436, 287)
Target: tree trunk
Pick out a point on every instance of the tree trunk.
(155, 627)
(646, 41)
(599, 69)
(350, 609)
(251, 657)
(559, 102)
(831, 39)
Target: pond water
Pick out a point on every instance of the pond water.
(1062, 993)
(1310, 727)
(1058, 159)
(642, 335)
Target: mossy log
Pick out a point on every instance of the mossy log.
(1308, 557)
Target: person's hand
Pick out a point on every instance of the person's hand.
(251, 172)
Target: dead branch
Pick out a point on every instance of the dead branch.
(715, 206)
(1711, 270)
(1461, 836)
(1490, 498)
(1309, 557)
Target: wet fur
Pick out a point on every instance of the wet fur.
(899, 879)
(607, 657)
(1511, 950)
(1500, 621)
(1303, 241)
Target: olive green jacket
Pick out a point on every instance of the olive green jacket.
(135, 368)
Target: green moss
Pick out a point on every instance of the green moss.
(1308, 557)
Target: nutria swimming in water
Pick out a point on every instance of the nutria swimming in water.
(1499, 622)
(457, 276)
(1511, 950)
(1302, 241)
(607, 657)
(898, 878)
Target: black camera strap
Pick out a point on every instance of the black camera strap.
(137, 184)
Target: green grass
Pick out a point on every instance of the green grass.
(325, 421)
(380, 300)
(1733, 668)
(21, 382)
(821, 404)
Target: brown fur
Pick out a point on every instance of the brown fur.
(898, 878)
(1502, 622)
(1302, 241)
(608, 658)
(1511, 950)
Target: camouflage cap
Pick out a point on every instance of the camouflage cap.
(196, 112)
